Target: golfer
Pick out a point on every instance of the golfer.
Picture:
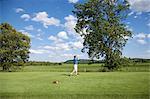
(75, 62)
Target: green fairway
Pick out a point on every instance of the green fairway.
(139, 67)
(88, 85)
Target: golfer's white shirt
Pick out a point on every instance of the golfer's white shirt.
(75, 67)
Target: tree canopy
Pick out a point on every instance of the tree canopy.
(101, 24)
(14, 46)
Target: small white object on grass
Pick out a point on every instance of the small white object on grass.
(56, 82)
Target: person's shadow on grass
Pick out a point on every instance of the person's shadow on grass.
(65, 74)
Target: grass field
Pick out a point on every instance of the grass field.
(36, 82)
(140, 67)
(86, 85)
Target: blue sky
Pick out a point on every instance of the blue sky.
(50, 25)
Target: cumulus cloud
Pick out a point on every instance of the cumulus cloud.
(55, 39)
(39, 36)
(76, 45)
(30, 27)
(18, 10)
(70, 24)
(135, 16)
(52, 47)
(38, 51)
(68, 39)
(66, 55)
(64, 45)
(131, 13)
(129, 27)
(62, 35)
(140, 5)
(58, 46)
(148, 35)
(26, 33)
(73, 1)
(148, 51)
(26, 17)
(141, 38)
(138, 13)
(39, 30)
(148, 24)
(141, 41)
(43, 18)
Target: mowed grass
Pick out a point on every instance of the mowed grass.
(63, 68)
(88, 85)
(138, 67)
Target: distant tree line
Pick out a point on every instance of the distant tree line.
(124, 61)
(85, 61)
(39, 63)
(140, 60)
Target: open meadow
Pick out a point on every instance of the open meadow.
(36, 82)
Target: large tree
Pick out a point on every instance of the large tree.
(101, 24)
(14, 46)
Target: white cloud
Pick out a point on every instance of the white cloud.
(70, 24)
(38, 51)
(76, 45)
(131, 13)
(148, 24)
(140, 5)
(129, 28)
(148, 35)
(135, 16)
(26, 33)
(39, 30)
(53, 38)
(128, 23)
(73, 1)
(62, 35)
(63, 46)
(45, 20)
(51, 47)
(30, 27)
(148, 51)
(140, 36)
(66, 55)
(26, 17)
(39, 38)
(126, 37)
(58, 46)
(141, 41)
(18, 10)
(138, 13)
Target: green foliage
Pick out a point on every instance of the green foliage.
(141, 60)
(14, 46)
(40, 63)
(85, 61)
(100, 23)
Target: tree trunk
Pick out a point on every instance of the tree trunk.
(4, 68)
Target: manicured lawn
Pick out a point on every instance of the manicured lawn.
(139, 67)
(88, 85)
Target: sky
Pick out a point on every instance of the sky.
(50, 25)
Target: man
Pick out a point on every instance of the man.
(75, 62)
